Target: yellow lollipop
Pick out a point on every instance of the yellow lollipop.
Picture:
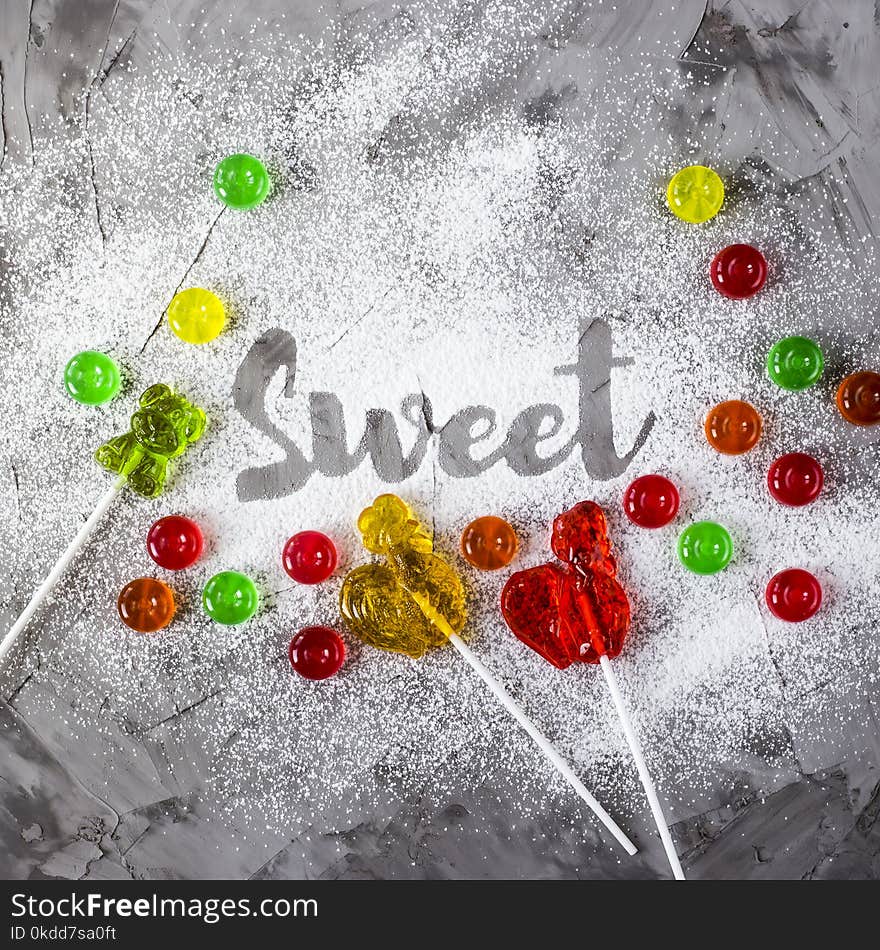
(695, 194)
(411, 601)
(196, 315)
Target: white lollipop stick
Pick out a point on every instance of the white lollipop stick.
(641, 766)
(61, 564)
(541, 742)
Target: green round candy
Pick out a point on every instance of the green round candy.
(91, 378)
(241, 181)
(705, 547)
(230, 597)
(795, 363)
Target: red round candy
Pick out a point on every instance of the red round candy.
(795, 479)
(794, 595)
(309, 557)
(175, 542)
(316, 652)
(739, 271)
(651, 501)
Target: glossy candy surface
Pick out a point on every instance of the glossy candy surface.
(230, 597)
(739, 271)
(695, 194)
(316, 652)
(733, 427)
(858, 399)
(795, 363)
(795, 479)
(705, 547)
(196, 315)
(309, 557)
(488, 543)
(175, 542)
(793, 595)
(145, 605)
(411, 599)
(651, 501)
(241, 181)
(91, 378)
(164, 425)
(573, 610)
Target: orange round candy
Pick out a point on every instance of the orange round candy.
(488, 543)
(858, 399)
(733, 427)
(146, 605)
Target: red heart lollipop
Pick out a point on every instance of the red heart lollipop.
(576, 611)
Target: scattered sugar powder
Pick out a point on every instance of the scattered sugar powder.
(420, 239)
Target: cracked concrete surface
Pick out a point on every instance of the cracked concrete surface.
(154, 823)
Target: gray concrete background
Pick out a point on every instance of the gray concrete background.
(803, 59)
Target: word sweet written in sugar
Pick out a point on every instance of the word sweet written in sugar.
(331, 456)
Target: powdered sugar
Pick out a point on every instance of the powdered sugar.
(408, 253)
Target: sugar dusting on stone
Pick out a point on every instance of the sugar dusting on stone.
(406, 254)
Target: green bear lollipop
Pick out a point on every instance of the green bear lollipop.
(164, 425)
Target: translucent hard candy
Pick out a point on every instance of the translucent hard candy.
(793, 595)
(241, 181)
(488, 543)
(574, 611)
(651, 501)
(858, 399)
(705, 547)
(411, 599)
(309, 557)
(316, 652)
(196, 315)
(795, 479)
(733, 427)
(163, 426)
(146, 605)
(795, 363)
(91, 378)
(739, 271)
(230, 598)
(695, 194)
(175, 542)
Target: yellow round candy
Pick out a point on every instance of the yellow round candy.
(695, 194)
(196, 315)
